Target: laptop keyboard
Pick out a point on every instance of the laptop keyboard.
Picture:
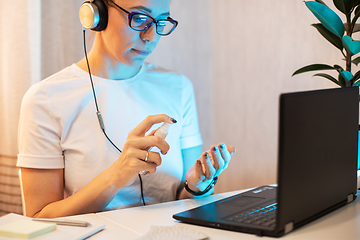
(260, 216)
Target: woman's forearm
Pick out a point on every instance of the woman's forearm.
(44, 199)
(94, 197)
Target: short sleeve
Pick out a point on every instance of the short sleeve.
(38, 132)
(190, 133)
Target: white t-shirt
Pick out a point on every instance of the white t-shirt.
(59, 128)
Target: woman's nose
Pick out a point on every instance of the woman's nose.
(149, 34)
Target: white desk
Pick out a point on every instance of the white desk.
(132, 223)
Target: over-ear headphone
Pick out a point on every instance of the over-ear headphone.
(94, 15)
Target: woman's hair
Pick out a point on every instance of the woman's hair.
(108, 2)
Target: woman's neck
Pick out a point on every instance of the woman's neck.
(104, 66)
(108, 70)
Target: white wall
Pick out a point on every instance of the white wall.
(240, 69)
(257, 45)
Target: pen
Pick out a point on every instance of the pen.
(64, 222)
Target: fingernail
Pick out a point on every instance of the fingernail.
(206, 155)
(215, 148)
(222, 145)
(198, 162)
(173, 120)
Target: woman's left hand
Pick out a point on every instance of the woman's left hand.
(210, 164)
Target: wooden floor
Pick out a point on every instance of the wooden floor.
(10, 194)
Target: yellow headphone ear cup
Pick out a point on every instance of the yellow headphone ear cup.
(94, 15)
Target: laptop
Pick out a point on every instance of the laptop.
(317, 168)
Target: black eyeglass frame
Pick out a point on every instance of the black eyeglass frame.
(131, 14)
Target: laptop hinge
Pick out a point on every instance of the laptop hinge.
(288, 227)
(350, 198)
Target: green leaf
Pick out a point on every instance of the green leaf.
(356, 16)
(344, 6)
(313, 67)
(356, 28)
(341, 80)
(347, 75)
(357, 84)
(331, 78)
(351, 46)
(356, 61)
(356, 3)
(355, 78)
(338, 68)
(339, 4)
(327, 17)
(332, 38)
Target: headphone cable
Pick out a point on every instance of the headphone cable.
(101, 122)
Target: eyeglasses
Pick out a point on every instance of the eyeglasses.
(142, 22)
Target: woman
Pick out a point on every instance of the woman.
(70, 165)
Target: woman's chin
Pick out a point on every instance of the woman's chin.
(135, 63)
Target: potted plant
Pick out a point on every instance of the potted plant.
(339, 34)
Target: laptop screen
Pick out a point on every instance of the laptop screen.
(359, 155)
(318, 151)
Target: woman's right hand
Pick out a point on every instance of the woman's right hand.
(43, 189)
(132, 159)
